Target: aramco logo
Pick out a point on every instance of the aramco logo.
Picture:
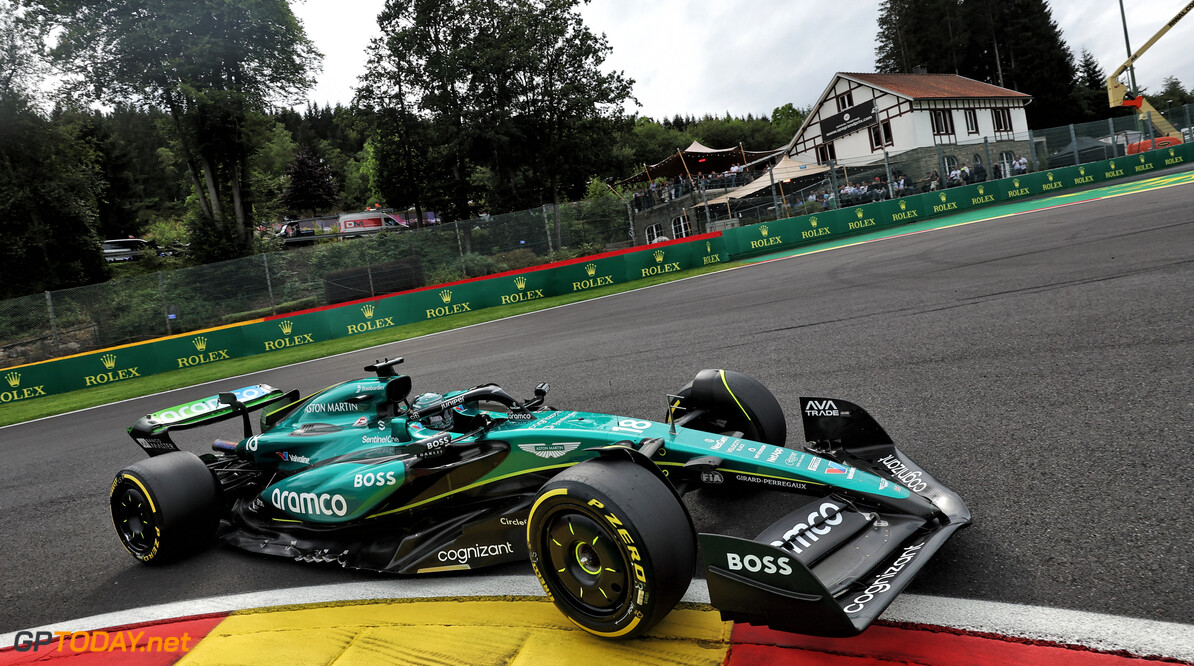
(367, 310)
(109, 361)
(286, 326)
(13, 379)
(445, 295)
(659, 256)
(591, 269)
(520, 282)
(200, 343)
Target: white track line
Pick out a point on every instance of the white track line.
(1093, 630)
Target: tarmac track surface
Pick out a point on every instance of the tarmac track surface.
(1039, 364)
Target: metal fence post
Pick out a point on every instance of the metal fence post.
(269, 284)
(941, 175)
(987, 149)
(837, 192)
(53, 322)
(368, 266)
(165, 306)
(1111, 135)
(630, 219)
(1036, 165)
(459, 246)
(551, 252)
(1187, 109)
(887, 163)
(774, 201)
(1074, 143)
(1149, 124)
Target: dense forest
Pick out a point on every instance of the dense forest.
(183, 121)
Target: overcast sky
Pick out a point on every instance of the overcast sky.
(692, 57)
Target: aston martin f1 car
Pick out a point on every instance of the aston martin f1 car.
(366, 475)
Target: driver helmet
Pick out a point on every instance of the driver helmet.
(440, 421)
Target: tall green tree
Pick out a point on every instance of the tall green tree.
(496, 101)
(1015, 44)
(211, 65)
(311, 186)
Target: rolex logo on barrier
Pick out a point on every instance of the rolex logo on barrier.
(766, 238)
(113, 375)
(816, 231)
(944, 197)
(521, 294)
(1050, 185)
(980, 189)
(1113, 173)
(858, 212)
(370, 324)
(287, 327)
(1174, 158)
(946, 204)
(593, 280)
(904, 213)
(1112, 164)
(1081, 171)
(1171, 152)
(1142, 159)
(709, 245)
(445, 295)
(903, 204)
(1017, 191)
(982, 197)
(1145, 165)
(1082, 177)
(660, 267)
(1015, 182)
(204, 356)
(18, 393)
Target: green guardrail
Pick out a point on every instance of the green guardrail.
(262, 336)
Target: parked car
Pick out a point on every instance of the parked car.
(124, 249)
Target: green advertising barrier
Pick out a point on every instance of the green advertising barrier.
(1086, 174)
(108, 366)
(450, 299)
(589, 273)
(843, 222)
(31, 381)
(1175, 155)
(906, 210)
(210, 346)
(366, 316)
(287, 331)
(710, 250)
(526, 286)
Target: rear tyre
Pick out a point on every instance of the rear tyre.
(165, 507)
(732, 402)
(612, 546)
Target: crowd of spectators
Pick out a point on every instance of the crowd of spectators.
(662, 190)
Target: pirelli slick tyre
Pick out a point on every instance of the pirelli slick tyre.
(732, 402)
(165, 507)
(612, 546)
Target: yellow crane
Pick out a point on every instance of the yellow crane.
(1119, 95)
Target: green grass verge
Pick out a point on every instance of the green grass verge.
(101, 395)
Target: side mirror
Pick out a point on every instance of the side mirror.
(398, 388)
(541, 390)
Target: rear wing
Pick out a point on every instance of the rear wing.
(152, 431)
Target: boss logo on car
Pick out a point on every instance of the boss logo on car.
(755, 564)
(369, 479)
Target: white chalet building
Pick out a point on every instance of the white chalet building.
(859, 116)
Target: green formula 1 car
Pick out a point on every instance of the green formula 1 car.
(367, 475)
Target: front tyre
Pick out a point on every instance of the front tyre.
(165, 507)
(612, 546)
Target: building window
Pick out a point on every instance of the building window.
(1006, 160)
(1002, 119)
(680, 228)
(971, 121)
(943, 121)
(654, 232)
(825, 152)
(845, 101)
(881, 135)
(951, 163)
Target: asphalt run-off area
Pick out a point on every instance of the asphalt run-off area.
(1034, 356)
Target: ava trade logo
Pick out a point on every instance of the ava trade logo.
(593, 280)
(370, 324)
(204, 356)
(18, 393)
(287, 327)
(448, 308)
(113, 375)
(660, 267)
(522, 294)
